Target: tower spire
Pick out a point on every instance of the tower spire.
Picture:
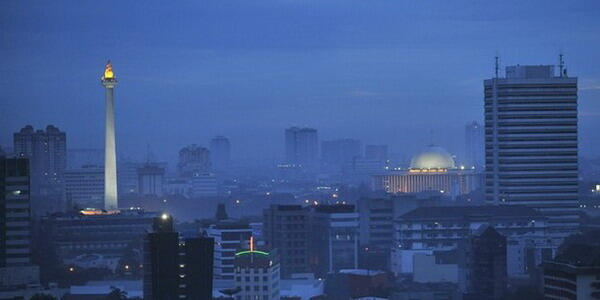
(109, 81)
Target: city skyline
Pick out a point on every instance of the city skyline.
(224, 75)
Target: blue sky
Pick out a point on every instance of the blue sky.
(401, 73)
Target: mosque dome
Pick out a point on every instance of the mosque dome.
(433, 157)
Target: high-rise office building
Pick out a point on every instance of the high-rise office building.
(174, 268)
(220, 150)
(531, 142)
(335, 153)
(47, 154)
(301, 146)
(377, 152)
(474, 145)
(15, 224)
(109, 81)
(193, 160)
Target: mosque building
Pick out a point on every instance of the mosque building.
(433, 169)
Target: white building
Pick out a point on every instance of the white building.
(257, 275)
(230, 236)
(85, 187)
(205, 185)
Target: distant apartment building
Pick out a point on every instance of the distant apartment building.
(335, 153)
(377, 152)
(47, 154)
(151, 179)
(85, 187)
(531, 143)
(474, 155)
(193, 159)
(204, 185)
(301, 146)
(220, 151)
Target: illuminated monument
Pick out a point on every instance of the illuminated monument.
(109, 81)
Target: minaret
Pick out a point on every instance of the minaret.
(109, 81)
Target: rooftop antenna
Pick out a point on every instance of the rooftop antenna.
(561, 64)
(496, 65)
(149, 155)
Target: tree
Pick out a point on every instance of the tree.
(116, 294)
(41, 296)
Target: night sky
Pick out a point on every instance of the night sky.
(402, 73)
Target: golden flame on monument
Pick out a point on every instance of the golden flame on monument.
(108, 72)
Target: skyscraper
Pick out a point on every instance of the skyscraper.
(220, 150)
(47, 153)
(301, 146)
(377, 152)
(337, 152)
(531, 142)
(109, 81)
(474, 145)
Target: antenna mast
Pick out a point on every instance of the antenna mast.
(561, 64)
(497, 65)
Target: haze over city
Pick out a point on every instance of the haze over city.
(188, 71)
(299, 150)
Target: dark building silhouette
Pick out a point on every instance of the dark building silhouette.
(221, 212)
(15, 223)
(175, 269)
(286, 229)
(484, 262)
(574, 273)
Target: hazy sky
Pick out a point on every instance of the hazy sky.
(386, 72)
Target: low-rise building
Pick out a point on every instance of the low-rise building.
(257, 275)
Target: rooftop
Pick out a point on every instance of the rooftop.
(452, 212)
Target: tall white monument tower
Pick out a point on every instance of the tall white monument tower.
(109, 81)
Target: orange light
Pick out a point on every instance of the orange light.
(251, 243)
(108, 72)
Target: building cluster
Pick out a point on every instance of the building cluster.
(333, 219)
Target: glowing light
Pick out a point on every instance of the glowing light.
(251, 252)
(126, 267)
(97, 212)
(17, 192)
(164, 216)
(251, 243)
(71, 269)
(108, 72)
